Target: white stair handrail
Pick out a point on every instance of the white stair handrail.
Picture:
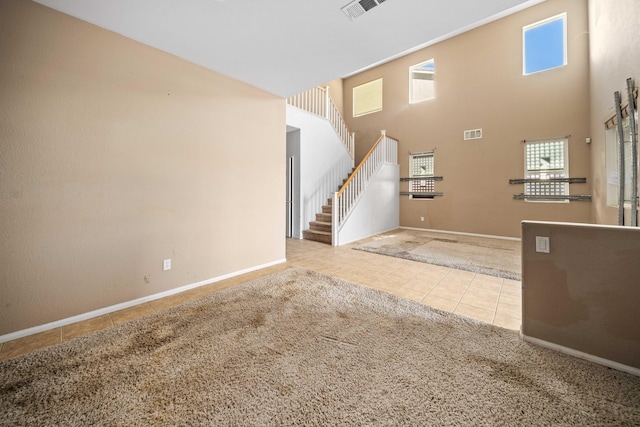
(318, 101)
(385, 150)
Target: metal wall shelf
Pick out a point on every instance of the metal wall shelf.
(423, 178)
(549, 197)
(422, 194)
(543, 180)
(583, 198)
(427, 194)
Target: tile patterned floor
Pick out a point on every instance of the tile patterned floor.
(485, 298)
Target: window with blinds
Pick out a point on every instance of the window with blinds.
(545, 160)
(612, 157)
(422, 81)
(367, 98)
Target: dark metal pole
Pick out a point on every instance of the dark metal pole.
(634, 155)
(621, 177)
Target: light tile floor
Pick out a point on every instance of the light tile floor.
(481, 297)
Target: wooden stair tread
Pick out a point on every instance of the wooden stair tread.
(324, 233)
(323, 221)
(318, 236)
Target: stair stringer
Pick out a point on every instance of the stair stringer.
(377, 210)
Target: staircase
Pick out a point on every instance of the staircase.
(340, 220)
(320, 229)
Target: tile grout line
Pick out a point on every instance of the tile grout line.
(495, 312)
(465, 291)
(437, 283)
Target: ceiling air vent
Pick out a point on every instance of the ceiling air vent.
(473, 134)
(359, 7)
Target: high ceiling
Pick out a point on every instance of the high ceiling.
(286, 46)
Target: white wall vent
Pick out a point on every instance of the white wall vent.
(360, 7)
(473, 134)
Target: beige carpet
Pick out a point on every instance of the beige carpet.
(494, 257)
(300, 348)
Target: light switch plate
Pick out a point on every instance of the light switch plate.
(542, 244)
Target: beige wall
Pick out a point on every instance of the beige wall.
(479, 84)
(115, 156)
(615, 56)
(583, 294)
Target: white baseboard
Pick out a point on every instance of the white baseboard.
(488, 236)
(101, 311)
(591, 358)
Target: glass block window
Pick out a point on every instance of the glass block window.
(422, 81)
(367, 98)
(545, 44)
(421, 165)
(544, 160)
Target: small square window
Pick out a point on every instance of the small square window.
(367, 98)
(422, 81)
(545, 44)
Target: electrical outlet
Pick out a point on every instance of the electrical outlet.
(422, 218)
(542, 244)
(166, 264)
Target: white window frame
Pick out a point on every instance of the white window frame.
(612, 164)
(361, 90)
(413, 70)
(563, 17)
(428, 185)
(531, 151)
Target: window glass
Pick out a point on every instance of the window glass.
(367, 98)
(545, 160)
(421, 165)
(545, 44)
(613, 163)
(422, 81)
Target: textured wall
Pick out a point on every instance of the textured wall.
(115, 156)
(479, 84)
(583, 294)
(615, 56)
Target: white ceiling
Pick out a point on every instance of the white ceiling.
(286, 46)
